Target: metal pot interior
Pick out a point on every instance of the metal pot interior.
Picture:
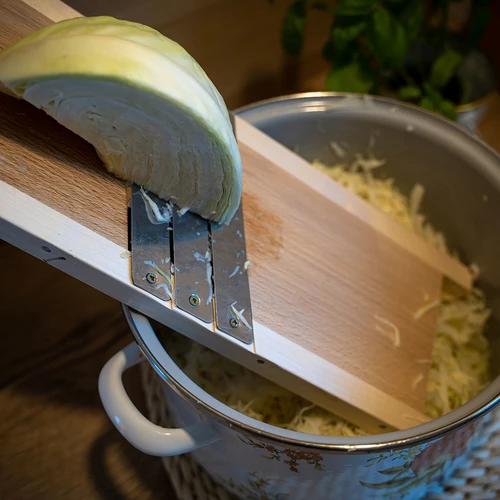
(461, 176)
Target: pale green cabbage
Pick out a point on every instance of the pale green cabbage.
(459, 365)
(141, 100)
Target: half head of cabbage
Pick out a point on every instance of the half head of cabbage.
(141, 100)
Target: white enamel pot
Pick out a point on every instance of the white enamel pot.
(260, 461)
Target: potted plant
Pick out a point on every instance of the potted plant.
(403, 49)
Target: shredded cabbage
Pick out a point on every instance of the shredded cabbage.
(459, 364)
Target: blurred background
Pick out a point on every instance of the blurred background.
(238, 42)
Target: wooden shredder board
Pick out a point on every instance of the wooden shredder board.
(58, 203)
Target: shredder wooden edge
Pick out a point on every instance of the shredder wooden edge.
(54, 10)
(295, 165)
(78, 251)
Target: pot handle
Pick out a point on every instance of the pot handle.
(137, 429)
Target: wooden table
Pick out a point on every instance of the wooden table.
(56, 442)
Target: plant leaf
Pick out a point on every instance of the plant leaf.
(342, 36)
(444, 67)
(448, 109)
(433, 94)
(411, 18)
(387, 39)
(342, 45)
(355, 7)
(337, 57)
(426, 103)
(354, 77)
(409, 93)
(292, 31)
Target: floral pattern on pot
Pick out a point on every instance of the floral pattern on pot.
(255, 489)
(289, 456)
(421, 464)
(257, 467)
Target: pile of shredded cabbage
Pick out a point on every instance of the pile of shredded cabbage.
(459, 365)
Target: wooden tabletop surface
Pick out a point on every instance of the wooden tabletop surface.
(56, 442)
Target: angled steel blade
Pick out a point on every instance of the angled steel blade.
(192, 266)
(233, 311)
(150, 243)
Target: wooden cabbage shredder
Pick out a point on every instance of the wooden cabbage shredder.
(309, 285)
(330, 297)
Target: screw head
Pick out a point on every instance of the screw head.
(151, 278)
(194, 300)
(235, 323)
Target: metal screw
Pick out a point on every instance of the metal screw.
(234, 322)
(151, 278)
(194, 300)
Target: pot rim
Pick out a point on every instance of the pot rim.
(469, 106)
(177, 380)
(461, 108)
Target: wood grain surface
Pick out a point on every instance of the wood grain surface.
(56, 441)
(39, 156)
(328, 284)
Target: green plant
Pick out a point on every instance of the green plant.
(401, 48)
